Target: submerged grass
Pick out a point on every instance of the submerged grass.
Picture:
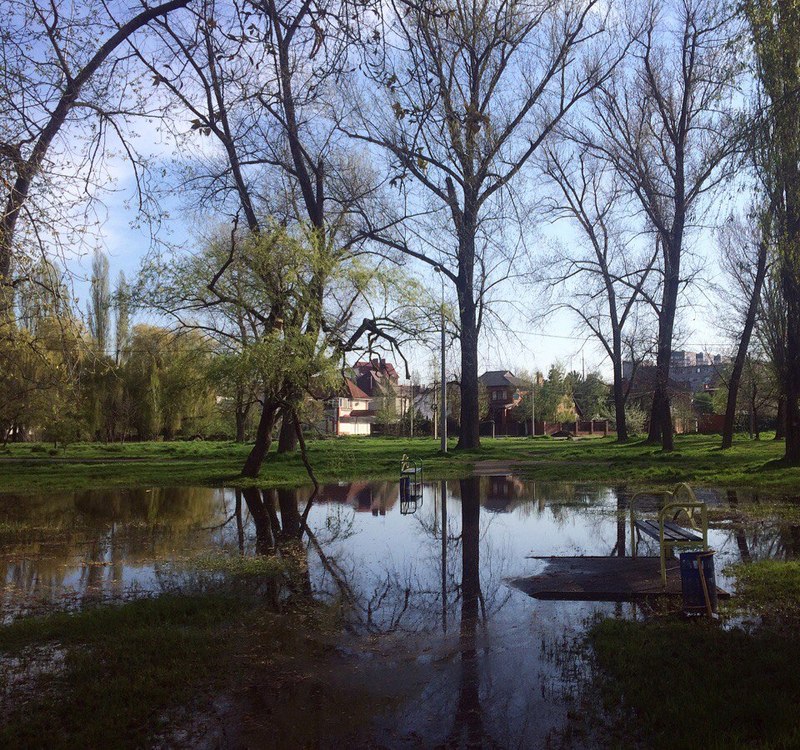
(697, 458)
(152, 672)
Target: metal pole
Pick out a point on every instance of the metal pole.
(443, 405)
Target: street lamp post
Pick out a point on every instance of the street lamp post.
(443, 399)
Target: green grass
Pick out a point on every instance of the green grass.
(151, 670)
(682, 685)
(770, 589)
(120, 671)
(671, 684)
(696, 459)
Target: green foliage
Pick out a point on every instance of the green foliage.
(703, 403)
(591, 394)
(239, 565)
(770, 588)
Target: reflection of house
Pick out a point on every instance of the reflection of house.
(505, 391)
(364, 497)
(501, 492)
(349, 411)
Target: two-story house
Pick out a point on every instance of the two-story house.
(504, 391)
(380, 381)
(349, 411)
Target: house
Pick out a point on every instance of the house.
(379, 380)
(349, 411)
(504, 391)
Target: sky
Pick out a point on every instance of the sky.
(517, 344)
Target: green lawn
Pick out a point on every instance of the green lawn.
(664, 683)
(697, 459)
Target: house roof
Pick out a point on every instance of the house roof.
(501, 379)
(353, 390)
(376, 366)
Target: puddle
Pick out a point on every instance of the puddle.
(460, 657)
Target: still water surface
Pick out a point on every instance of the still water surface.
(431, 615)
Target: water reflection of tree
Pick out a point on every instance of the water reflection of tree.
(468, 727)
(65, 548)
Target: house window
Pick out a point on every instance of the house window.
(503, 395)
(494, 395)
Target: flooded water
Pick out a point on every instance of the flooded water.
(461, 656)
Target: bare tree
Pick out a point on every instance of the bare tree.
(666, 121)
(42, 95)
(744, 248)
(606, 279)
(463, 94)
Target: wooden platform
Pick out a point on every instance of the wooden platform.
(592, 579)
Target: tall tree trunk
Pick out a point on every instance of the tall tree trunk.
(619, 392)
(780, 419)
(241, 424)
(661, 415)
(252, 466)
(791, 291)
(744, 345)
(287, 439)
(469, 436)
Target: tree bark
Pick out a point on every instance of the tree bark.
(469, 437)
(287, 439)
(619, 391)
(252, 466)
(241, 423)
(744, 345)
(780, 419)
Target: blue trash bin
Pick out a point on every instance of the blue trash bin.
(693, 566)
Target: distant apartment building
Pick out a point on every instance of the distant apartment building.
(696, 371)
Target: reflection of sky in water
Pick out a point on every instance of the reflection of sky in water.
(61, 549)
(110, 543)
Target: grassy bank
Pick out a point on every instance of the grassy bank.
(219, 668)
(30, 467)
(672, 684)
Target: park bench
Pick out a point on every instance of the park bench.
(681, 504)
(410, 485)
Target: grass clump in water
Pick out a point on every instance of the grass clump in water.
(770, 588)
(239, 565)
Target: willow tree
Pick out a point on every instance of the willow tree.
(462, 94)
(775, 27)
(252, 87)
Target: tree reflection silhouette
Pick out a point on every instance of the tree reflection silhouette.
(468, 728)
